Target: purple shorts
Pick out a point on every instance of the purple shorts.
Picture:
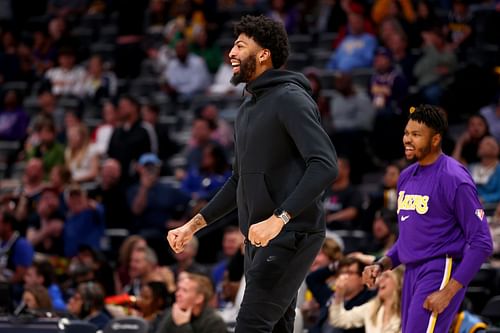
(420, 281)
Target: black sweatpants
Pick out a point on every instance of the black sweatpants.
(273, 275)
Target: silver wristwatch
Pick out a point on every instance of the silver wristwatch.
(282, 214)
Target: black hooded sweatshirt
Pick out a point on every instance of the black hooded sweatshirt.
(283, 157)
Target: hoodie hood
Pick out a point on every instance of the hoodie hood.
(276, 77)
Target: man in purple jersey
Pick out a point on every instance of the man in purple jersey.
(443, 233)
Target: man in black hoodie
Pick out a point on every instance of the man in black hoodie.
(284, 160)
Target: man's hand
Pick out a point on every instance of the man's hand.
(439, 300)
(179, 316)
(260, 234)
(179, 237)
(340, 287)
(370, 275)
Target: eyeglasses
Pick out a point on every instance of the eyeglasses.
(349, 272)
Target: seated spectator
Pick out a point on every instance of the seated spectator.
(319, 283)
(164, 275)
(66, 78)
(47, 102)
(122, 277)
(87, 304)
(222, 131)
(436, 62)
(59, 179)
(143, 262)
(45, 229)
(357, 48)
(350, 108)
(82, 160)
(102, 134)
(203, 45)
(49, 150)
(94, 266)
(186, 75)
(152, 302)
(186, 262)
(36, 297)
(342, 201)
(31, 188)
(352, 117)
(130, 140)
(191, 308)
(42, 274)
(350, 284)
(44, 52)
(467, 145)
(16, 253)
(486, 173)
(285, 12)
(388, 85)
(111, 195)
(203, 183)
(156, 16)
(459, 24)
(492, 115)
(386, 197)
(154, 203)
(397, 43)
(84, 224)
(167, 147)
(98, 83)
(13, 119)
(385, 232)
(232, 289)
(381, 314)
(201, 136)
(312, 74)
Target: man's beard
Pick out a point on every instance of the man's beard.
(247, 70)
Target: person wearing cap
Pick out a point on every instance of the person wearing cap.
(357, 47)
(388, 88)
(152, 202)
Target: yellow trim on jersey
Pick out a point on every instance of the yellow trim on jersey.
(478, 326)
(459, 322)
(444, 282)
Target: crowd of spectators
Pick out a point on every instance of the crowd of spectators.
(116, 126)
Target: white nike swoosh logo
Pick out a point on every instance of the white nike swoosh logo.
(404, 218)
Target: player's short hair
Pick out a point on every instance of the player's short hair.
(432, 116)
(268, 33)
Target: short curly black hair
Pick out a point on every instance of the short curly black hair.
(432, 116)
(268, 33)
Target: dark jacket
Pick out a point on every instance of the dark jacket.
(283, 157)
(207, 322)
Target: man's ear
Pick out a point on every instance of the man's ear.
(264, 55)
(436, 140)
(199, 300)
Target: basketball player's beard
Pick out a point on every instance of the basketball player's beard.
(247, 70)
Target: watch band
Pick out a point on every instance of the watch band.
(283, 215)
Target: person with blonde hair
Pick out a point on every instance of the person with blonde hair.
(380, 315)
(81, 159)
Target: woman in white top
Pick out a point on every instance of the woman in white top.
(82, 160)
(382, 314)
